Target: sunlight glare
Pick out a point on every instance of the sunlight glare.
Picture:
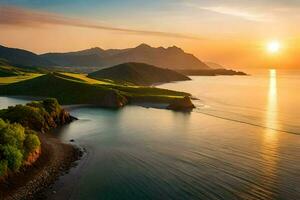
(273, 47)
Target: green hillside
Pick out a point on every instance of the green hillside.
(7, 70)
(138, 74)
(70, 90)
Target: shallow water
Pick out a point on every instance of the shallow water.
(140, 153)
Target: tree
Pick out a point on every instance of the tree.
(12, 155)
(31, 143)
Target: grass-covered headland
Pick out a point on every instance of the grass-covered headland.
(20, 127)
(78, 89)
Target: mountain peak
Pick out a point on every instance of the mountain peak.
(175, 49)
(143, 45)
(94, 50)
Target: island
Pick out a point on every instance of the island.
(212, 72)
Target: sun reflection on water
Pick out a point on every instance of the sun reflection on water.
(271, 113)
(270, 136)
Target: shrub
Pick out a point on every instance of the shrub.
(27, 116)
(12, 134)
(3, 167)
(12, 155)
(15, 145)
(31, 143)
(17, 134)
(51, 105)
(37, 115)
(29, 131)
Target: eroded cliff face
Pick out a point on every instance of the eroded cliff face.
(33, 156)
(182, 104)
(113, 100)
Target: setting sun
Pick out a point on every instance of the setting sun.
(273, 46)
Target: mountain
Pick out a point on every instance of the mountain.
(20, 57)
(84, 58)
(171, 57)
(138, 74)
(214, 65)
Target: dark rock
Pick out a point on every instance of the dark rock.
(184, 104)
(113, 100)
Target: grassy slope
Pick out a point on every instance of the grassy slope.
(66, 91)
(78, 89)
(7, 70)
(138, 74)
(135, 93)
(12, 74)
(15, 79)
(83, 77)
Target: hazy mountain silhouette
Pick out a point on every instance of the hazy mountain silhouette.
(22, 57)
(214, 65)
(172, 57)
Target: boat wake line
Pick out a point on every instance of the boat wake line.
(244, 122)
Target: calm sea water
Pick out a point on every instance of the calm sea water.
(242, 142)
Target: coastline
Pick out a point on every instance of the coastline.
(29, 183)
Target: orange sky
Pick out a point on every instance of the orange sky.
(228, 35)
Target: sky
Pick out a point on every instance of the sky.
(234, 33)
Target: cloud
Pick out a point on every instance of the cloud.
(16, 16)
(236, 13)
(243, 9)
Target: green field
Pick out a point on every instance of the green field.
(83, 77)
(14, 79)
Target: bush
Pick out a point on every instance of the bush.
(51, 105)
(37, 115)
(31, 143)
(12, 155)
(17, 135)
(11, 134)
(3, 167)
(29, 131)
(27, 116)
(15, 145)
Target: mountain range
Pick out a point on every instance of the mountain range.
(20, 57)
(172, 58)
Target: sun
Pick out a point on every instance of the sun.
(273, 46)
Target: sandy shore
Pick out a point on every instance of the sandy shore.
(30, 182)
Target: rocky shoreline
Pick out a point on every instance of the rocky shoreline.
(56, 159)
